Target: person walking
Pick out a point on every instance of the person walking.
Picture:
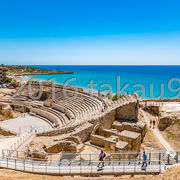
(151, 123)
(144, 164)
(102, 155)
(154, 123)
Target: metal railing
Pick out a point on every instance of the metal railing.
(23, 137)
(84, 167)
(84, 163)
(167, 157)
(152, 103)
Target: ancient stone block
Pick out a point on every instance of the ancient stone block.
(62, 146)
(109, 132)
(133, 139)
(128, 111)
(97, 140)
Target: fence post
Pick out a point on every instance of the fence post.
(15, 164)
(46, 167)
(149, 158)
(129, 159)
(80, 165)
(90, 158)
(50, 158)
(124, 166)
(159, 158)
(113, 167)
(24, 164)
(7, 162)
(119, 159)
(168, 158)
(2, 154)
(33, 166)
(91, 168)
(177, 160)
(59, 167)
(135, 165)
(70, 166)
(139, 158)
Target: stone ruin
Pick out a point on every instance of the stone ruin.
(6, 112)
(112, 125)
(122, 137)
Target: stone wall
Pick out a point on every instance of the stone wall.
(132, 138)
(128, 111)
(6, 132)
(167, 118)
(152, 109)
(83, 132)
(138, 127)
(52, 118)
(98, 140)
(19, 108)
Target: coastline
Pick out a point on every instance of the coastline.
(45, 73)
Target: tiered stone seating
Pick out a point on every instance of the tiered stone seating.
(65, 111)
(81, 107)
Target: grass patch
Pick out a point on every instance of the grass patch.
(169, 135)
(179, 123)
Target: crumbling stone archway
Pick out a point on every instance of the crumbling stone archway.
(98, 130)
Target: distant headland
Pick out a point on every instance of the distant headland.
(13, 70)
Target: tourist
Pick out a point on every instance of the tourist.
(144, 160)
(154, 122)
(151, 123)
(102, 155)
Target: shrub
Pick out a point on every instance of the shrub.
(169, 134)
(114, 98)
(8, 80)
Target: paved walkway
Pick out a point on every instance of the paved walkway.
(83, 169)
(167, 146)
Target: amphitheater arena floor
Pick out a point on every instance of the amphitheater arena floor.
(24, 124)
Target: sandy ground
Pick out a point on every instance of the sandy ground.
(7, 142)
(22, 124)
(172, 135)
(150, 142)
(172, 107)
(6, 90)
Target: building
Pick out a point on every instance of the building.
(3, 71)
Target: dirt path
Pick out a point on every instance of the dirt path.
(156, 132)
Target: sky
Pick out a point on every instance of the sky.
(90, 32)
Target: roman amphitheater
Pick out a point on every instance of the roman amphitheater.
(62, 135)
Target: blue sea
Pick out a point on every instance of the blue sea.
(147, 79)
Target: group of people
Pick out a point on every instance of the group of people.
(102, 156)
